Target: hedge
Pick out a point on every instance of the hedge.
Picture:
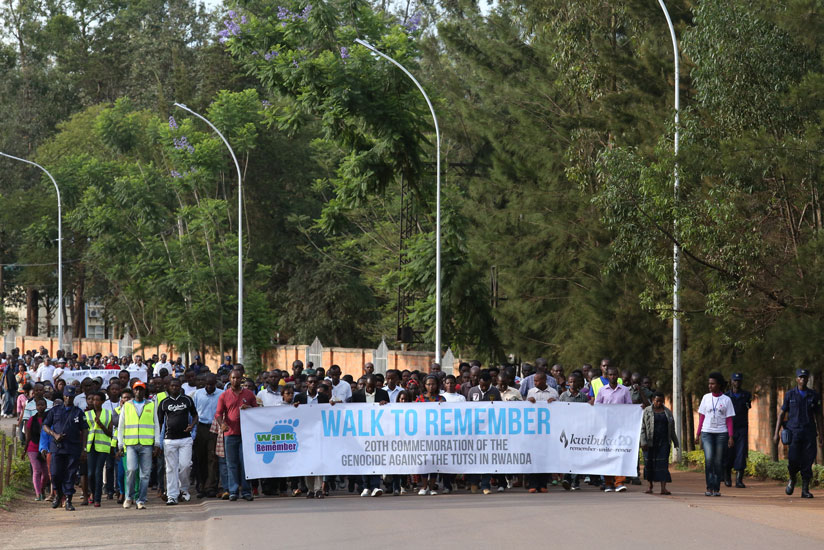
(759, 466)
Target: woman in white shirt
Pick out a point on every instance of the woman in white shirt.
(715, 431)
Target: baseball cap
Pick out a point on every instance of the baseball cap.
(737, 376)
(802, 372)
(139, 384)
(70, 391)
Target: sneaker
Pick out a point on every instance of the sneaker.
(487, 491)
(127, 504)
(620, 489)
(70, 506)
(224, 496)
(171, 502)
(509, 484)
(609, 489)
(576, 487)
(433, 493)
(232, 498)
(403, 491)
(587, 480)
(377, 491)
(319, 494)
(141, 506)
(446, 491)
(707, 493)
(716, 494)
(396, 493)
(38, 498)
(501, 489)
(365, 493)
(185, 496)
(423, 492)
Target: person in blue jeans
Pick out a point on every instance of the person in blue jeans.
(715, 431)
(229, 405)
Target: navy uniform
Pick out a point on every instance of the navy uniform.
(736, 458)
(71, 422)
(800, 408)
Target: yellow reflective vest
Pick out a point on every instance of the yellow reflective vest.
(97, 437)
(138, 430)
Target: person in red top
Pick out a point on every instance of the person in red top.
(229, 405)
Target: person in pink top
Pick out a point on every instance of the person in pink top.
(23, 398)
(31, 448)
(613, 394)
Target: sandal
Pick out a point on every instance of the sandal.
(665, 492)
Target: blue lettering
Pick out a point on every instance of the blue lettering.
(331, 423)
(479, 422)
(431, 422)
(376, 422)
(543, 421)
(397, 414)
(529, 419)
(411, 422)
(514, 421)
(463, 421)
(349, 423)
(361, 431)
(497, 421)
(446, 421)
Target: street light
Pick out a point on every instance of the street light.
(239, 233)
(676, 253)
(59, 250)
(437, 196)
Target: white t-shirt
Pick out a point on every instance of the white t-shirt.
(453, 397)
(45, 373)
(716, 410)
(342, 392)
(187, 389)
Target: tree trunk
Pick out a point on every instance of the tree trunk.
(690, 422)
(32, 311)
(79, 306)
(773, 416)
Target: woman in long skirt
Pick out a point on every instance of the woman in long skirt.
(657, 432)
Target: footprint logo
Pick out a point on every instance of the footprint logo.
(282, 438)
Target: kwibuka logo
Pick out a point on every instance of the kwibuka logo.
(281, 439)
(564, 439)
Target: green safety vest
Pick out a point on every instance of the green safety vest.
(138, 430)
(161, 396)
(97, 437)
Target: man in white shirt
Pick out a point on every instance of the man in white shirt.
(190, 387)
(163, 364)
(270, 396)
(45, 372)
(138, 364)
(541, 391)
(341, 390)
(392, 387)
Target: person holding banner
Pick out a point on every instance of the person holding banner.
(229, 405)
(613, 393)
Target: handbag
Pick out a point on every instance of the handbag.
(786, 436)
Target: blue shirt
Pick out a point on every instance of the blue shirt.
(206, 405)
(801, 409)
(71, 422)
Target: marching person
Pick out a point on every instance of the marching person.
(736, 457)
(715, 431)
(138, 436)
(98, 445)
(67, 428)
(229, 405)
(206, 460)
(657, 431)
(178, 415)
(799, 415)
(613, 393)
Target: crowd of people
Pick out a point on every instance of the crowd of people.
(180, 428)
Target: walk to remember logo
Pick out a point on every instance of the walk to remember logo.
(280, 439)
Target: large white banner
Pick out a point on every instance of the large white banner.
(106, 374)
(419, 438)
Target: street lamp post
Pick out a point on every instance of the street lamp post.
(59, 250)
(239, 232)
(676, 253)
(437, 196)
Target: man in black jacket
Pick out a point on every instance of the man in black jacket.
(311, 395)
(370, 392)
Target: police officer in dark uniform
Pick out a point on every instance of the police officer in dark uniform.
(67, 427)
(736, 457)
(799, 414)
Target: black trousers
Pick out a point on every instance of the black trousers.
(64, 472)
(736, 458)
(802, 453)
(205, 459)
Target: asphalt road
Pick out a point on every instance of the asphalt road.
(760, 516)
